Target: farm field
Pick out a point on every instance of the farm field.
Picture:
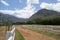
(48, 30)
(39, 32)
(2, 32)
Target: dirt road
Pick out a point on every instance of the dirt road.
(30, 35)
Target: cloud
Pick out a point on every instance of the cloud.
(27, 11)
(58, 0)
(7, 11)
(53, 6)
(56, 7)
(5, 3)
(24, 13)
(35, 1)
(46, 5)
(32, 1)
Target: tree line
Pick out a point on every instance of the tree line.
(47, 21)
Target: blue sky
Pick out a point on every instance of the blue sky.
(26, 8)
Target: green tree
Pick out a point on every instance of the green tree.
(0, 19)
(8, 24)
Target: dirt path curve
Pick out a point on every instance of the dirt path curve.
(30, 35)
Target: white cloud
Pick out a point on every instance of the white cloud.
(35, 1)
(54, 6)
(46, 6)
(5, 3)
(24, 13)
(28, 11)
(58, 0)
(7, 11)
(32, 1)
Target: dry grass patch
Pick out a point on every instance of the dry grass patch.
(48, 30)
(2, 32)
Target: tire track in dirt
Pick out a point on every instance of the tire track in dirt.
(30, 35)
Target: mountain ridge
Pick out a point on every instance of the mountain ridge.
(44, 13)
(11, 18)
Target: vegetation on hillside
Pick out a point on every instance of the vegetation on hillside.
(47, 21)
(1, 20)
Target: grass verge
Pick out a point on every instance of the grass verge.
(18, 35)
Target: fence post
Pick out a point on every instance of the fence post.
(10, 35)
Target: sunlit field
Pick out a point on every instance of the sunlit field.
(49, 30)
(2, 32)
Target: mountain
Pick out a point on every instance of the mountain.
(44, 13)
(14, 19)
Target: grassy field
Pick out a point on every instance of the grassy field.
(49, 30)
(18, 35)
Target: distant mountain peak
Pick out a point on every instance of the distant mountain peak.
(44, 13)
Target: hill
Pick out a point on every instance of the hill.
(44, 13)
(13, 19)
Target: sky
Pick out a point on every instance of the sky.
(26, 8)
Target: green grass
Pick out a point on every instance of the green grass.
(18, 35)
(41, 29)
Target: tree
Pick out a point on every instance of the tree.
(8, 24)
(1, 19)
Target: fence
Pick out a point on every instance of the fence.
(10, 35)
